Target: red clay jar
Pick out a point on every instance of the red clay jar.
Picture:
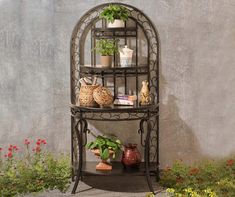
(131, 157)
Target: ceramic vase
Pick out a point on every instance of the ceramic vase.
(131, 157)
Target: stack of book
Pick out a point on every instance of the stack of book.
(125, 100)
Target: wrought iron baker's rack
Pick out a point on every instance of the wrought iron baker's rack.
(147, 115)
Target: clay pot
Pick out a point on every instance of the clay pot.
(103, 165)
(131, 157)
(106, 61)
(116, 24)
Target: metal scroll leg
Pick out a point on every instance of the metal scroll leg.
(79, 132)
(146, 157)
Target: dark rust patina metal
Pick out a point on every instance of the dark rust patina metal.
(147, 115)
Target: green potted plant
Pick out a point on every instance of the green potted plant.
(105, 147)
(115, 15)
(106, 48)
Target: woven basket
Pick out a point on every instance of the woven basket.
(103, 96)
(86, 96)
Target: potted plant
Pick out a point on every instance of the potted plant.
(115, 15)
(106, 48)
(104, 147)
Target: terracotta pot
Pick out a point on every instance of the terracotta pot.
(131, 156)
(106, 61)
(103, 165)
(116, 24)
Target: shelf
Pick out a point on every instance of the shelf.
(114, 32)
(118, 169)
(118, 108)
(115, 71)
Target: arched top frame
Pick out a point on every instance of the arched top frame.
(84, 25)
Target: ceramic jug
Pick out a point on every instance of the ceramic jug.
(125, 56)
(131, 157)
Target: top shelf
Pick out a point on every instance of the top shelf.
(114, 32)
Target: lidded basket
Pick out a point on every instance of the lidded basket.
(103, 96)
(86, 95)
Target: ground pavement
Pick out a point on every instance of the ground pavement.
(108, 187)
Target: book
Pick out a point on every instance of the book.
(123, 102)
(127, 97)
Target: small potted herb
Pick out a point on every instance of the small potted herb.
(106, 48)
(115, 15)
(105, 147)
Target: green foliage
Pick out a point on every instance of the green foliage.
(212, 178)
(104, 144)
(113, 12)
(33, 173)
(150, 194)
(106, 47)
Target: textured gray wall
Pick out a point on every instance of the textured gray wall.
(197, 73)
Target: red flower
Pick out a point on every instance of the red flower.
(194, 171)
(26, 142)
(38, 149)
(43, 141)
(38, 142)
(9, 155)
(10, 149)
(15, 147)
(0, 149)
(229, 162)
(11, 146)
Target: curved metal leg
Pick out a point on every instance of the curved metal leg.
(146, 157)
(158, 170)
(72, 147)
(79, 132)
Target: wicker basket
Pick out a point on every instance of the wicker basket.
(103, 96)
(86, 95)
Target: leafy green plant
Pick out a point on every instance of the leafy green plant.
(211, 178)
(113, 12)
(105, 144)
(106, 47)
(32, 171)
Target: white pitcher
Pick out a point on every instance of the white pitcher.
(125, 56)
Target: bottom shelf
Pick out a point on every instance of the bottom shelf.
(118, 169)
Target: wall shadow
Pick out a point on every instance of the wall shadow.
(177, 140)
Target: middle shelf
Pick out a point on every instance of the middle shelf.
(114, 71)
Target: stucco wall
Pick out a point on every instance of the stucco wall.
(197, 74)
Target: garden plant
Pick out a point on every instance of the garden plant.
(208, 179)
(106, 47)
(105, 144)
(32, 169)
(113, 12)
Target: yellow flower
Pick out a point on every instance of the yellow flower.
(170, 190)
